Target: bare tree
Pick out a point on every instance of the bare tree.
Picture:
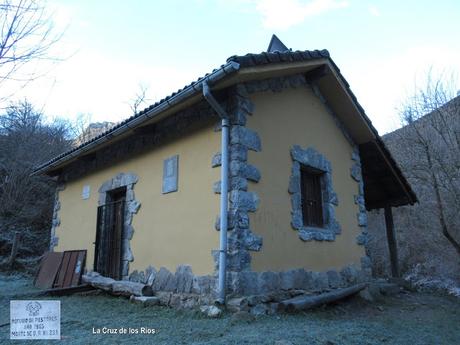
(139, 99)
(26, 201)
(26, 34)
(430, 141)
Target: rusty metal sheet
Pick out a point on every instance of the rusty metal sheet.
(73, 263)
(48, 270)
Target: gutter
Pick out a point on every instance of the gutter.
(189, 91)
(223, 190)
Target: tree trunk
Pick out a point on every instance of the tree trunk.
(127, 288)
(308, 302)
(440, 206)
(14, 249)
(117, 287)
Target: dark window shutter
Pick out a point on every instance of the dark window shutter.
(312, 203)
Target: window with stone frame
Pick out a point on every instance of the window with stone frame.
(313, 199)
(311, 196)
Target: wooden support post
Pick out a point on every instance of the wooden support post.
(14, 248)
(392, 245)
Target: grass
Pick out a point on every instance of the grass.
(407, 319)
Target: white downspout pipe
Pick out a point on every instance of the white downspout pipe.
(223, 191)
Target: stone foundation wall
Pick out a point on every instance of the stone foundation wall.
(249, 283)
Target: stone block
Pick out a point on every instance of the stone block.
(238, 260)
(297, 223)
(128, 232)
(259, 310)
(310, 157)
(252, 241)
(162, 278)
(366, 262)
(202, 285)
(242, 169)
(141, 277)
(237, 304)
(163, 297)
(134, 276)
(211, 311)
(296, 202)
(236, 183)
(362, 219)
(171, 284)
(248, 281)
(349, 275)
(189, 302)
(124, 268)
(134, 206)
(246, 137)
(128, 178)
(333, 199)
(150, 274)
(184, 278)
(216, 160)
(292, 279)
(244, 201)
(238, 153)
(309, 283)
(362, 239)
(126, 250)
(320, 281)
(355, 172)
(245, 104)
(334, 279)
(255, 299)
(268, 281)
(175, 300)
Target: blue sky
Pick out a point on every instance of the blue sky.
(382, 47)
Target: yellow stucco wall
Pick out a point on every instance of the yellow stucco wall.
(169, 229)
(297, 117)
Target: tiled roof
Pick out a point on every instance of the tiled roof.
(264, 58)
(244, 61)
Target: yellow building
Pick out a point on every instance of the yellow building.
(304, 164)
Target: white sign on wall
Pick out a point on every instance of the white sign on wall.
(86, 192)
(35, 319)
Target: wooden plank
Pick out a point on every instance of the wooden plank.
(73, 263)
(60, 277)
(79, 268)
(70, 268)
(49, 268)
(392, 244)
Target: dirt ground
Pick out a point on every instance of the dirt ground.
(410, 318)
